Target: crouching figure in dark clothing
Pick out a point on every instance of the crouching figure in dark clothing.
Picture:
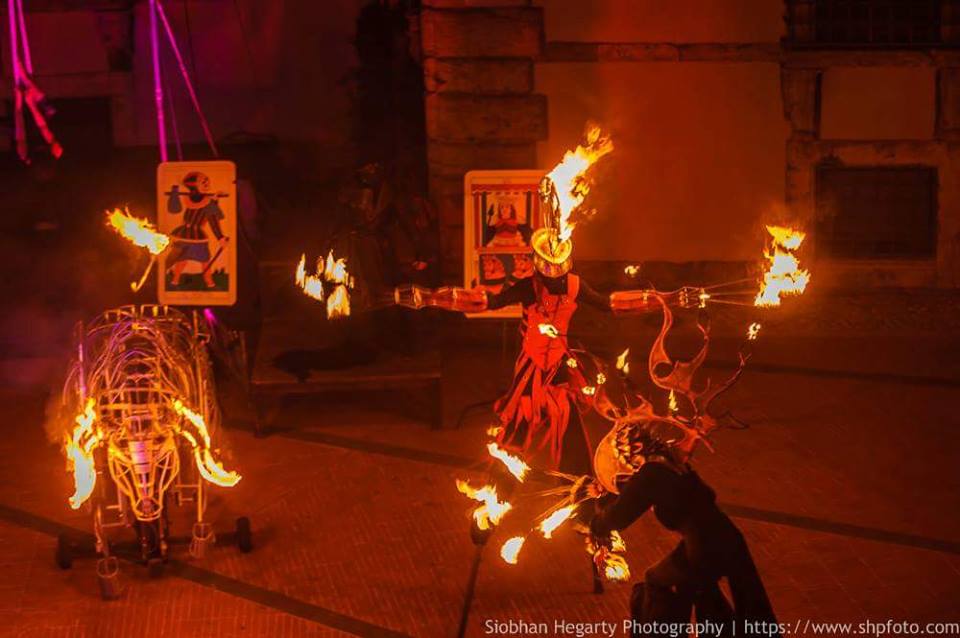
(641, 471)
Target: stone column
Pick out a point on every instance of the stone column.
(481, 112)
(801, 107)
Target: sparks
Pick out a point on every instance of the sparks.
(491, 510)
(549, 330)
(495, 430)
(556, 519)
(511, 549)
(138, 232)
(569, 176)
(514, 465)
(207, 465)
(588, 390)
(622, 364)
(672, 403)
(79, 451)
(753, 331)
(631, 271)
(783, 275)
(601, 378)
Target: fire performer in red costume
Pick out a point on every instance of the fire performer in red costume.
(540, 414)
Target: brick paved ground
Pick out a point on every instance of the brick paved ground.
(845, 487)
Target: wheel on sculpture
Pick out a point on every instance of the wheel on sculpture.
(244, 535)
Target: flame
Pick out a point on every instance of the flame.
(515, 465)
(571, 362)
(207, 465)
(491, 510)
(336, 270)
(616, 542)
(495, 430)
(338, 303)
(311, 285)
(601, 378)
(333, 271)
(588, 390)
(631, 271)
(783, 275)
(568, 176)
(549, 330)
(616, 567)
(138, 232)
(79, 451)
(511, 548)
(556, 519)
(622, 363)
(672, 403)
(753, 331)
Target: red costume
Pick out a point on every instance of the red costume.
(541, 410)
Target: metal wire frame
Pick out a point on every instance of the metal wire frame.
(134, 361)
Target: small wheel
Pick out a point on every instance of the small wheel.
(244, 535)
(64, 552)
(155, 567)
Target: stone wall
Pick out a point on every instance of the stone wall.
(482, 112)
(810, 146)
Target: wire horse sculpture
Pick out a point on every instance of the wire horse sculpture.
(141, 380)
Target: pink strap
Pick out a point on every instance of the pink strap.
(157, 85)
(186, 78)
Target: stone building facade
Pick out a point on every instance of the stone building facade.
(841, 117)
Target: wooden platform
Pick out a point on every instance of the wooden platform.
(305, 358)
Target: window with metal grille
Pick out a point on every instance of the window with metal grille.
(885, 212)
(872, 23)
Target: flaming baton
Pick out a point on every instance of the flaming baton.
(138, 232)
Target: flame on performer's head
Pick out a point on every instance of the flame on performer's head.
(549, 525)
(138, 232)
(569, 176)
(783, 275)
(511, 549)
(514, 465)
(491, 510)
(209, 468)
(78, 448)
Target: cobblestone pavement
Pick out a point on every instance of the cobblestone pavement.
(845, 487)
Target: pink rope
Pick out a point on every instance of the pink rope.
(157, 86)
(27, 59)
(186, 77)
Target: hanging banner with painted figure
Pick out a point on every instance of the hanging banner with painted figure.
(501, 211)
(197, 208)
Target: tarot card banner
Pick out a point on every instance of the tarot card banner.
(197, 208)
(501, 210)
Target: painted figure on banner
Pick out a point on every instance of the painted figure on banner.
(199, 242)
(198, 211)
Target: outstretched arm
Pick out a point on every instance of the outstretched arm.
(631, 301)
(635, 498)
(463, 299)
(446, 298)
